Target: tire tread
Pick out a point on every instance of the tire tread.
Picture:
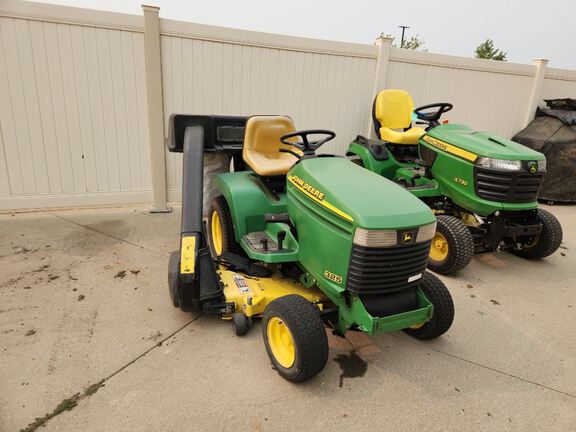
(307, 328)
(460, 242)
(551, 242)
(443, 316)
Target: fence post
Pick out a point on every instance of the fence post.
(155, 108)
(536, 92)
(384, 44)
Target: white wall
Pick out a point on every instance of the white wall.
(73, 110)
(486, 95)
(74, 117)
(319, 84)
(559, 84)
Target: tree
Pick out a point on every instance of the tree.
(413, 43)
(486, 50)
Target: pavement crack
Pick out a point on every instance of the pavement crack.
(487, 367)
(70, 403)
(66, 405)
(106, 234)
(156, 345)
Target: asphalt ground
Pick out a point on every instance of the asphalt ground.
(89, 341)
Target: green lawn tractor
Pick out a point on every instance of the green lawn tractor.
(300, 241)
(482, 188)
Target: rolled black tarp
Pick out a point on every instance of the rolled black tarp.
(553, 132)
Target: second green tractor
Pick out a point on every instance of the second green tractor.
(483, 188)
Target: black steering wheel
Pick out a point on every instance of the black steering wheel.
(306, 146)
(433, 116)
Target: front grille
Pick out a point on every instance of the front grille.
(507, 186)
(386, 269)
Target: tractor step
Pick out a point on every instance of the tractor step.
(261, 242)
(422, 186)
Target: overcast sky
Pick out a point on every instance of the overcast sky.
(525, 29)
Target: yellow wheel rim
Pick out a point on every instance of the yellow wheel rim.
(216, 231)
(439, 249)
(417, 326)
(281, 342)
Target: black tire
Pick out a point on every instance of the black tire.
(547, 242)
(308, 335)
(240, 324)
(182, 296)
(460, 246)
(220, 206)
(443, 316)
(173, 264)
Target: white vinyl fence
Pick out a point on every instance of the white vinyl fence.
(85, 95)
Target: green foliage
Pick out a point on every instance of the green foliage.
(65, 405)
(413, 43)
(486, 50)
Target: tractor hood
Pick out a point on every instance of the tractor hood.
(338, 188)
(482, 143)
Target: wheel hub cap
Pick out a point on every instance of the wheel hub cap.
(216, 232)
(439, 249)
(281, 342)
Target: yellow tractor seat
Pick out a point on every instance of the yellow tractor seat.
(411, 136)
(392, 114)
(262, 145)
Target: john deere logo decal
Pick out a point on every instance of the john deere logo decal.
(316, 195)
(406, 237)
(532, 167)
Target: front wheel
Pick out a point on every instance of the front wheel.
(443, 315)
(452, 246)
(295, 337)
(545, 243)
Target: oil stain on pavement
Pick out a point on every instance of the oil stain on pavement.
(351, 365)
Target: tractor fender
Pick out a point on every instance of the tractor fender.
(249, 200)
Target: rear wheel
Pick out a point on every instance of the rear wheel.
(547, 242)
(220, 228)
(452, 246)
(443, 315)
(295, 338)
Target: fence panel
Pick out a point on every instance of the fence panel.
(73, 114)
(485, 96)
(559, 84)
(317, 89)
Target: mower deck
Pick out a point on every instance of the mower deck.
(252, 294)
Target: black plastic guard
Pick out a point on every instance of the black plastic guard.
(220, 133)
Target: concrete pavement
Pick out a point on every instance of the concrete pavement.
(83, 298)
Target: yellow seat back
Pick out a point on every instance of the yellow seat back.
(261, 150)
(393, 109)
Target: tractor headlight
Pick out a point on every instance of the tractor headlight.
(542, 165)
(388, 238)
(375, 238)
(501, 164)
(426, 232)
